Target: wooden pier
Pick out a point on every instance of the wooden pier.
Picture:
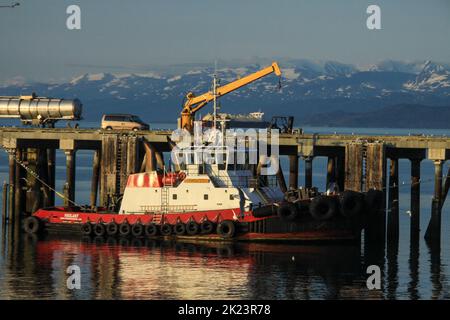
(355, 162)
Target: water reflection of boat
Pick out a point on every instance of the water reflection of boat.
(142, 268)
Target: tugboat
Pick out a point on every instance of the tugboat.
(214, 201)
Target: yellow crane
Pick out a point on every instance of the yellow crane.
(194, 103)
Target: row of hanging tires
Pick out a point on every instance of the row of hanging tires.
(349, 204)
(225, 229)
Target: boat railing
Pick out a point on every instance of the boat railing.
(148, 209)
(227, 181)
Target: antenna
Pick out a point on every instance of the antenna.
(215, 95)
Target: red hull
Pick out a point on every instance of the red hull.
(69, 219)
(67, 215)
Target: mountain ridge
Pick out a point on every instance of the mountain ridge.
(308, 87)
(399, 116)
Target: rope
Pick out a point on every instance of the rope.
(36, 176)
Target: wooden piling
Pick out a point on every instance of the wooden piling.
(433, 232)
(119, 159)
(280, 178)
(375, 179)
(331, 172)
(340, 172)
(43, 173)
(66, 194)
(12, 181)
(51, 176)
(70, 173)
(415, 199)
(353, 167)
(130, 163)
(446, 188)
(393, 204)
(293, 171)
(4, 204)
(308, 172)
(18, 192)
(95, 177)
(375, 167)
(36, 191)
(108, 168)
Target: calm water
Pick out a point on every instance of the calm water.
(122, 269)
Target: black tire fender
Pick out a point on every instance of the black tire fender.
(206, 227)
(180, 229)
(351, 203)
(137, 229)
(192, 228)
(323, 208)
(32, 225)
(166, 229)
(265, 211)
(374, 200)
(226, 229)
(151, 230)
(112, 228)
(86, 229)
(287, 211)
(124, 229)
(99, 229)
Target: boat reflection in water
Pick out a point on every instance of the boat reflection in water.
(150, 269)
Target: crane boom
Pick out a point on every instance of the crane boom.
(194, 103)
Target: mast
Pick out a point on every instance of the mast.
(215, 96)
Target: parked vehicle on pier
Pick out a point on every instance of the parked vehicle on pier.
(123, 122)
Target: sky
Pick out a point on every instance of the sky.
(138, 35)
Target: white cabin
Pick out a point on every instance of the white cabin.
(199, 187)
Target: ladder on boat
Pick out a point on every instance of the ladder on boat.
(157, 217)
(164, 199)
(165, 195)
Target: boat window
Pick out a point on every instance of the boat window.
(205, 197)
(231, 197)
(174, 197)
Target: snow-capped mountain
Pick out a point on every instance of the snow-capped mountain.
(433, 77)
(307, 87)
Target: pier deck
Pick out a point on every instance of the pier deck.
(355, 162)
